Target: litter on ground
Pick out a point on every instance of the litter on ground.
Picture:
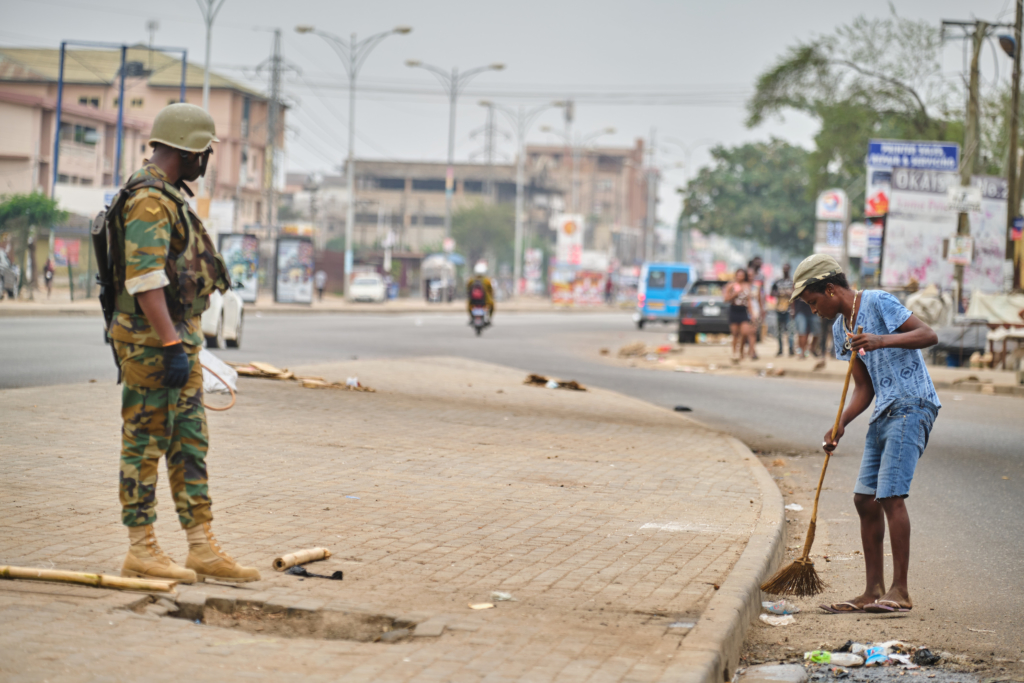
(780, 607)
(542, 381)
(795, 507)
(776, 620)
(481, 605)
(268, 371)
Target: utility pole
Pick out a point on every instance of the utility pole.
(1013, 193)
(209, 9)
(972, 138)
(273, 126)
(652, 194)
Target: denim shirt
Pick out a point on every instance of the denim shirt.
(895, 373)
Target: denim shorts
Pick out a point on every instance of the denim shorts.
(895, 442)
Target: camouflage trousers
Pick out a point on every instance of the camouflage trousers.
(161, 422)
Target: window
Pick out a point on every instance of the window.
(63, 178)
(85, 135)
(680, 279)
(605, 185)
(246, 111)
(708, 288)
(136, 103)
(93, 102)
(391, 184)
(429, 185)
(428, 220)
(656, 279)
(85, 181)
(473, 186)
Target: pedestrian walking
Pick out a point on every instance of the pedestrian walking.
(888, 369)
(803, 321)
(320, 280)
(738, 294)
(48, 270)
(782, 290)
(165, 268)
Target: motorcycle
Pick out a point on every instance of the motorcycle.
(480, 318)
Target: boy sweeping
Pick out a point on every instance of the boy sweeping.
(890, 369)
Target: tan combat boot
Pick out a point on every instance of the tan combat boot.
(145, 559)
(209, 560)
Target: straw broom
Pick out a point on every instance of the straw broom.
(799, 577)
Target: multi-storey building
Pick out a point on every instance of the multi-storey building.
(152, 79)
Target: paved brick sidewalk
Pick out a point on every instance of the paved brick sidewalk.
(607, 518)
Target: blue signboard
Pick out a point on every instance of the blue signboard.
(930, 156)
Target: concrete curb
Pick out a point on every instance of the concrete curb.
(963, 386)
(710, 652)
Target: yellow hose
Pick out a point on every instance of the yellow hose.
(230, 405)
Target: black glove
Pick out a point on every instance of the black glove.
(176, 367)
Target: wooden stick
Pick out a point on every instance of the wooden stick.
(301, 557)
(82, 578)
(828, 454)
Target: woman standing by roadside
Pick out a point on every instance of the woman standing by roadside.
(737, 294)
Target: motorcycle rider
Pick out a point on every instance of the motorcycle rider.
(480, 292)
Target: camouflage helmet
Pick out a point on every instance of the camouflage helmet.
(184, 126)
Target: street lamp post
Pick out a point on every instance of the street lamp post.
(452, 84)
(209, 8)
(521, 120)
(683, 245)
(353, 54)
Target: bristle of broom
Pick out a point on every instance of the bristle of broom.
(797, 578)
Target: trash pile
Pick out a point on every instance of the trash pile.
(890, 653)
(632, 350)
(542, 381)
(268, 371)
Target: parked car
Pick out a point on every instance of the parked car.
(658, 292)
(703, 310)
(9, 274)
(368, 287)
(222, 321)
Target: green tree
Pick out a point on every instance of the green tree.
(21, 214)
(871, 78)
(756, 191)
(482, 229)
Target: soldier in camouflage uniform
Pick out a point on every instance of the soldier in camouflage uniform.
(165, 268)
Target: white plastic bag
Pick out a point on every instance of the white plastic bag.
(211, 384)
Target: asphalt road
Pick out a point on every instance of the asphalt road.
(968, 517)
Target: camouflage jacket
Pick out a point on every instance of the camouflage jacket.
(163, 245)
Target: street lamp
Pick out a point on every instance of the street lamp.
(452, 84)
(353, 54)
(682, 247)
(521, 120)
(576, 144)
(209, 9)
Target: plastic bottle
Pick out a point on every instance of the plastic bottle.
(846, 659)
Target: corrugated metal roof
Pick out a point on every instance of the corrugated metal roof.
(102, 66)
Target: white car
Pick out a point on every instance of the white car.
(368, 287)
(222, 321)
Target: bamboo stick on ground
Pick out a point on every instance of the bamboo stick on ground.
(301, 557)
(86, 579)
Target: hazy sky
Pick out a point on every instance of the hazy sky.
(681, 67)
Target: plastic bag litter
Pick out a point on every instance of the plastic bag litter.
(795, 507)
(904, 660)
(780, 607)
(211, 384)
(875, 656)
(775, 620)
(501, 596)
(551, 384)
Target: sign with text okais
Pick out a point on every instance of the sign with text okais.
(886, 155)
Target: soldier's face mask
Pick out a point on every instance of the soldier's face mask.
(195, 164)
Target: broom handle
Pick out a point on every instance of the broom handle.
(828, 454)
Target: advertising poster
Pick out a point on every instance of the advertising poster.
(886, 155)
(65, 252)
(294, 282)
(588, 288)
(984, 273)
(873, 248)
(561, 285)
(242, 255)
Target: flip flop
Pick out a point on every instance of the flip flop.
(885, 606)
(831, 609)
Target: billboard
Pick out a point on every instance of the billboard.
(242, 255)
(886, 155)
(921, 227)
(293, 283)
